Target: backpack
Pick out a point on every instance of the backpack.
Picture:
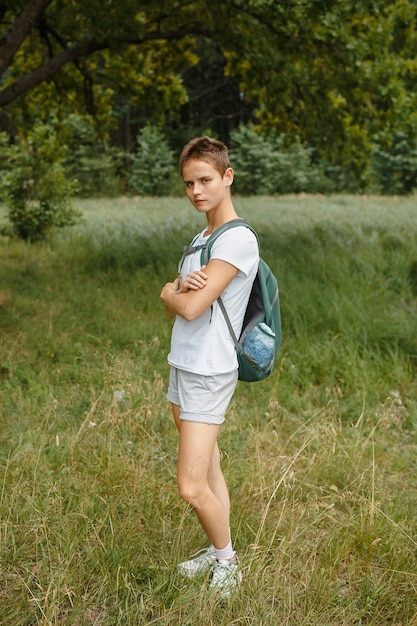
(260, 338)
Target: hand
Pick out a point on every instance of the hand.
(167, 290)
(169, 287)
(194, 280)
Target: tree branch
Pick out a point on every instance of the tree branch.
(19, 30)
(46, 72)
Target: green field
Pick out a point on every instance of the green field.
(320, 458)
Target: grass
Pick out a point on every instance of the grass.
(320, 458)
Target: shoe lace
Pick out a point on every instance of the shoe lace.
(222, 571)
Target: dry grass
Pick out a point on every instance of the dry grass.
(320, 458)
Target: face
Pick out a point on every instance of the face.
(206, 188)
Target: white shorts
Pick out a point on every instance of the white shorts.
(201, 398)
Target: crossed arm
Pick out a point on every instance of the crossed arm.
(199, 290)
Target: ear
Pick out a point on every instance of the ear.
(228, 177)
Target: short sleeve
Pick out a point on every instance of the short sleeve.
(239, 247)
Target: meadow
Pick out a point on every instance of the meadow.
(320, 458)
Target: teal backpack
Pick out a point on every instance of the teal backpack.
(259, 341)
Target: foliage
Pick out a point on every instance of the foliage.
(5, 164)
(152, 164)
(92, 58)
(394, 164)
(333, 74)
(215, 104)
(270, 164)
(96, 166)
(254, 159)
(36, 189)
(320, 458)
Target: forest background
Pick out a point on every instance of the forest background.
(310, 96)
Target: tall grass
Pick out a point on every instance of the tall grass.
(320, 458)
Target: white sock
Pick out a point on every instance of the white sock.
(225, 554)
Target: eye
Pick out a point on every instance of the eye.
(188, 183)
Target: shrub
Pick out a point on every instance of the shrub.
(394, 164)
(94, 164)
(295, 169)
(254, 159)
(35, 188)
(268, 165)
(152, 164)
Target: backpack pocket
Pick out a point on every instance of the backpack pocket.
(256, 355)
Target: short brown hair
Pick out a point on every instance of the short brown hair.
(206, 149)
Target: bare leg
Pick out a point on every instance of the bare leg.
(200, 480)
(217, 482)
(176, 413)
(215, 476)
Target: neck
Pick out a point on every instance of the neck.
(217, 219)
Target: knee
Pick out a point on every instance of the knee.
(190, 492)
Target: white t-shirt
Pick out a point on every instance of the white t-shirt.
(204, 345)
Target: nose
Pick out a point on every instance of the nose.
(196, 189)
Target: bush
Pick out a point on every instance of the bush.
(89, 160)
(394, 164)
(35, 188)
(152, 164)
(273, 165)
(253, 158)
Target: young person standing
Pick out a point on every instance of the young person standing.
(203, 360)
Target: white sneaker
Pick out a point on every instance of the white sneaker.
(200, 562)
(226, 577)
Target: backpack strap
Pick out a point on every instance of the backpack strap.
(228, 322)
(206, 248)
(190, 250)
(205, 257)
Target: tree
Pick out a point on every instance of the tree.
(35, 187)
(85, 53)
(153, 164)
(333, 73)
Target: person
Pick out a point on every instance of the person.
(202, 357)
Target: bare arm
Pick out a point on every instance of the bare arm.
(170, 313)
(198, 294)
